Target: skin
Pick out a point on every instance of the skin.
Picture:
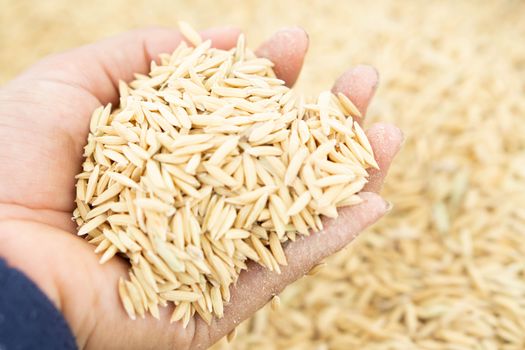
(44, 118)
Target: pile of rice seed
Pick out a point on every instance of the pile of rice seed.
(209, 161)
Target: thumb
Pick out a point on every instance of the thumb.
(98, 67)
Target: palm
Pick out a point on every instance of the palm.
(43, 127)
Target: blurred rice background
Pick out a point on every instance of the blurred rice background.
(446, 268)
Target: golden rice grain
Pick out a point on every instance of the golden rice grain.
(232, 335)
(108, 254)
(300, 203)
(275, 303)
(295, 165)
(126, 301)
(92, 224)
(316, 269)
(190, 34)
(348, 105)
(178, 295)
(209, 163)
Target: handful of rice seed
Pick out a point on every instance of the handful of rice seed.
(208, 162)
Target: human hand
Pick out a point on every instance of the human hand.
(44, 121)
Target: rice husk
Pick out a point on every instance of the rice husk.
(183, 169)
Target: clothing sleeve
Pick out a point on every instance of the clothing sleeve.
(28, 319)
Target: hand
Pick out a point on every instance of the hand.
(44, 120)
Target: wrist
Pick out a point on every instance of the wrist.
(25, 246)
(29, 319)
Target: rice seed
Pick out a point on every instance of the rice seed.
(223, 91)
(193, 163)
(323, 101)
(236, 233)
(108, 254)
(125, 132)
(277, 222)
(153, 205)
(280, 207)
(120, 219)
(300, 203)
(95, 117)
(258, 207)
(114, 239)
(261, 131)
(138, 151)
(250, 175)
(217, 303)
(126, 301)
(128, 243)
(277, 249)
(154, 310)
(136, 298)
(115, 156)
(251, 196)
(189, 140)
(208, 162)
(333, 180)
(220, 175)
(275, 303)
(215, 210)
(181, 296)
(180, 311)
(349, 106)
(167, 254)
(191, 149)
(225, 149)
(189, 33)
(221, 269)
(316, 269)
(92, 183)
(295, 165)
(123, 180)
(338, 126)
(147, 273)
(92, 224)
(262, 252)
(128, 153)
(103, 245)
(260, 151)
(231, 336)
(352, 200)
(139, 236)
(322, 151)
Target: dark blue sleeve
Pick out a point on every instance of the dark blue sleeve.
(28, 319)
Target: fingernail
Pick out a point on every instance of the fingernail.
(368, 70)
(296, 29)
(292, 29)
(224, 27)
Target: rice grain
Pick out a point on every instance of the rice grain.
(210, 162)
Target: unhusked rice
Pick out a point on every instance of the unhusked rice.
(208, 161)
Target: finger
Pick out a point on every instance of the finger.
(386, 140)
(359, 85)
(54, 218)
(98, 67)
(286, 49)
(257, 285)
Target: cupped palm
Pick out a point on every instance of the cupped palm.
(44, 119)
